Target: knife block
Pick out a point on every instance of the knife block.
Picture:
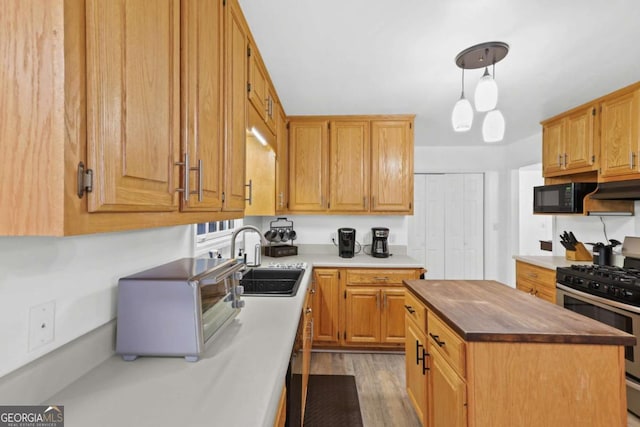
(580, 254)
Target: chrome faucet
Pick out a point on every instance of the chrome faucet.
(245, 228)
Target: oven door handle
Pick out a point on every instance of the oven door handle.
(633, 385)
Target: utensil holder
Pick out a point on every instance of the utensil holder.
(580, 254)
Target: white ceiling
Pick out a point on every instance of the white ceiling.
(384, 56)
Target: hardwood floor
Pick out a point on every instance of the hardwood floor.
(380, 381)
(381, 386)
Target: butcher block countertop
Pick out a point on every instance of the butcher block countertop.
(488, 311)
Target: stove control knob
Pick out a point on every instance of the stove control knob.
(627, 294)
(594, 285)
(239, 290)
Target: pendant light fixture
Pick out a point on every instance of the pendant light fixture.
(481, 55)
(462, 115)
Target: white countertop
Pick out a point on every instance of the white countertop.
(550, 262)
(237, 382)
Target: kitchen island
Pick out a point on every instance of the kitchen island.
(493, 356)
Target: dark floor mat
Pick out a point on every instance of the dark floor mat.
(332, 400)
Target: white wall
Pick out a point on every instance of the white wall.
(532, 228)
(80, 274)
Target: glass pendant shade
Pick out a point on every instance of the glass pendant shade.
(486, 94)
(493, 126)
(462, 115)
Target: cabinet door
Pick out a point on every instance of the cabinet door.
(362, 315)
(391, 166)
(308, 152)
(579, 140)
(236, 34)
(257, 82)
(261, 174)
(349, 166)
(415, 354)
(202, 107)
(447, 394)
(552, 147)
(619, 136)
(393, 316)
(325, 305)
(282, 161)
(271, 107)
(133, 104)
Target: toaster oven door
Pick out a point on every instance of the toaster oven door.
(219, 302)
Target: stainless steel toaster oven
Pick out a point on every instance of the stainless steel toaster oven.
(176, 308)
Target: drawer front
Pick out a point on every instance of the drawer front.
(534, 274)
(447, 342)
(415, 310)
(380, 276)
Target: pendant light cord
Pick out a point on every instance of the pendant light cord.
(462, 94)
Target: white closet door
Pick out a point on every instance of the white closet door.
(454, 227)
(447, 229)
(473, 224)
(434, 220)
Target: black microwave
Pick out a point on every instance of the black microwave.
(561, 198)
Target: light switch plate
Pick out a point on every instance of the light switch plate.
(41, 324)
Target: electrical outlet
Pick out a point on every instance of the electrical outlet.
(41, 324)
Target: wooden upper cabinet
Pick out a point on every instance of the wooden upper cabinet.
(570, 143)
(257, 86)
(202, 106)
(349, 162)
(133, 104)
(620, 138)
(308, 170)
(392, 166)
(580, 142)
(552, 147)
(235, 78)
(282, 161)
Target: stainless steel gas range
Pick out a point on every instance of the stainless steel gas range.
(610, 295)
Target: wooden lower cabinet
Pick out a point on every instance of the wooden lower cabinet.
(415, 368)
(326, 300)
(361, 307)
(448, 397)
(537, 281)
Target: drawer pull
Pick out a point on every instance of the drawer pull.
(381, 279)
(409, 309)
(533, 275)
(436, 338)
(308, 310)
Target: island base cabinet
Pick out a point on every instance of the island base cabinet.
(415, 368)
(448, 394)
(545, 384)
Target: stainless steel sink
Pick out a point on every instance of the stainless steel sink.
(283, 282)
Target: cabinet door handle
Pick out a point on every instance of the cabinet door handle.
(384, 301)
(565, 160)
(632, 158)
(559, 160)
(409, 309)
(436, 338)
(424, 361)
(250, 185)
(418, 347)
(308, 310)
(200, 189)
(281, 196)
(378, 301)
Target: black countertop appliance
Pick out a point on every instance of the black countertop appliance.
(346, 242)
(379, 245)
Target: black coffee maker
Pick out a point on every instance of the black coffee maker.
(346, 242)
(379, 246)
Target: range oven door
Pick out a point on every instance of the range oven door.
(615, 314)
